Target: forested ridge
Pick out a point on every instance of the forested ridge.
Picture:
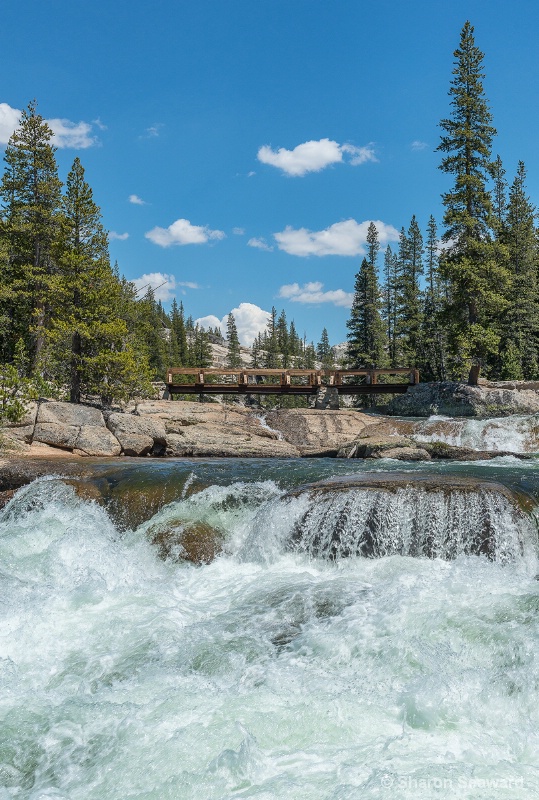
(461, 292)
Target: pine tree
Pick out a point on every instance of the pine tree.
(294, 341)
(366, 330)
(409, 301)
(177, 321)
(233, 357)
(324, 351)
(390, 307)
(473, 266)
(271, 346)
(283, 342)
(499, 197)
(433, 345)
(520, 324)
(31, 197)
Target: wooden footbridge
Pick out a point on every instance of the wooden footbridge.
(194, 380)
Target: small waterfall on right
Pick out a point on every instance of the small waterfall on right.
(375, 515)
(515, 434)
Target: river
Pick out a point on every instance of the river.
(269, 673)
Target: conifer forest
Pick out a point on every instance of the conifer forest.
(453, 292)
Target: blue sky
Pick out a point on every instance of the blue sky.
(238, 148)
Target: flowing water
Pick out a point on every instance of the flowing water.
(273, 672)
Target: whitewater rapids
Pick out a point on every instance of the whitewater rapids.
(285, 676)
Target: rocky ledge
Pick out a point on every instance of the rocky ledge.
(447, 398)
(184, 429)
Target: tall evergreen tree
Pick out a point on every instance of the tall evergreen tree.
(366, 330)
(271, 358)
(474, 268)
(233, 356)
(433, 345)
(31, 196)
(409, 301)
(499, 196)
(324, 351)
(390, 303)
(520, 324)
(283, 342)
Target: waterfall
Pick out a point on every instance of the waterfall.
(419, 518)
(511, 434)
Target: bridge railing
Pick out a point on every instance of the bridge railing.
(215, 380)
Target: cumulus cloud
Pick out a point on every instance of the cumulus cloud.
(153, 131)
(311, 293)
(182, 232)
(314, 156)
(72, 134)
(66, 133)
(163, 284)
(238, 231)
(121, 237)
(418, 145)
(9, 119)
(260, 243)
(136, 200)
(250, 321)
(347, 238)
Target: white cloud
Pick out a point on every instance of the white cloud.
(238, 231)
(418, 145)
(182, 232)
(97, 122)
(314, 156)
(360, 155)
(153, 131)
(250, 321)
(72, 134)
(136, 200)
(210, 321)
(345, 238)
(312, 293)
(66, 133)
(121, 237)
(260, 243)
(163, 284)
(188, 284)
(9, 119)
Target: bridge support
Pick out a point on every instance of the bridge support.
(327, 397)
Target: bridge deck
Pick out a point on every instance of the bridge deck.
(287, 381)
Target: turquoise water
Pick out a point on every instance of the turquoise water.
(263, 674)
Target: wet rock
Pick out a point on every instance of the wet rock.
(196, 542)
(138, 436)
(460, 400)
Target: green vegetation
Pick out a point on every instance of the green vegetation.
(478, 301)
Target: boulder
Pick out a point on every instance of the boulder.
(460, 400)
(216, 443)
(71, 414)
(96, 441)
(138, 436)
(56, 435)
(316, 432)
(196, 542)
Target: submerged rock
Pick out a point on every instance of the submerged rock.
(436, 516)
(196, 542)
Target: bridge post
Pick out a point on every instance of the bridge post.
(327, 397)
